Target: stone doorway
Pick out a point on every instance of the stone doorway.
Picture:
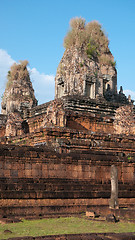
(25, 127)
(90, 90)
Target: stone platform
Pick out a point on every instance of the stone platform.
(38, 180)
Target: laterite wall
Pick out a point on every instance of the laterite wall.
(35, 181)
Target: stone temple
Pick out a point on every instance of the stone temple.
(78, 75)
(57, 157)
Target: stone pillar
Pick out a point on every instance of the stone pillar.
(94, 90)
(113, 202)
(84, 88)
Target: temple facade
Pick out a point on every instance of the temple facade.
(56, 158)
(79, 75)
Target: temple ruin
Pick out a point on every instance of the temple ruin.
(79, 75)
(56, 157)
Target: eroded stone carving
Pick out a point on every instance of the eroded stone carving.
(19, 93)
(18, 96)
(77, 74)
(124, 122)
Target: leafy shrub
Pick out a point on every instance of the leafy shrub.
(105, 59)
(97, 35)
(17, 71)
(76, 35)
(114, 63)
(92, 50)
(91, 37)
(81, 64)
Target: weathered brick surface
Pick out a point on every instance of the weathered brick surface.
(39, 181)
(73, 112)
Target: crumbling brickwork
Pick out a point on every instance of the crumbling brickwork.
(42, 179)
(124, 122)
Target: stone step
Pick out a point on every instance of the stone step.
(63, 187)
(63, 194)
(59, 184)
(53, 194)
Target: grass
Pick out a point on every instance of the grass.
(69, 225)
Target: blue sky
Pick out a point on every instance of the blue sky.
(35, 29)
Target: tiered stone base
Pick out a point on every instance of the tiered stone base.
(38, 181)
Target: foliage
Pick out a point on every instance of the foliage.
(114, 64)
(81, 64)
(17, 72)
(95, 32)
(91, 37)
(76, 35)
(69, 225)
(92, 50)
(105, 59)
(77, 23)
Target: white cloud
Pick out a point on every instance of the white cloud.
(5, 62)
(43, 84)
(131, 93)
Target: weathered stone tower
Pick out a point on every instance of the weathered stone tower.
(18, 97)
(19, 93)
(77, 74)
(87, 68)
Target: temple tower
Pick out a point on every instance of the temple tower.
(19, 93)
(87, 67)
